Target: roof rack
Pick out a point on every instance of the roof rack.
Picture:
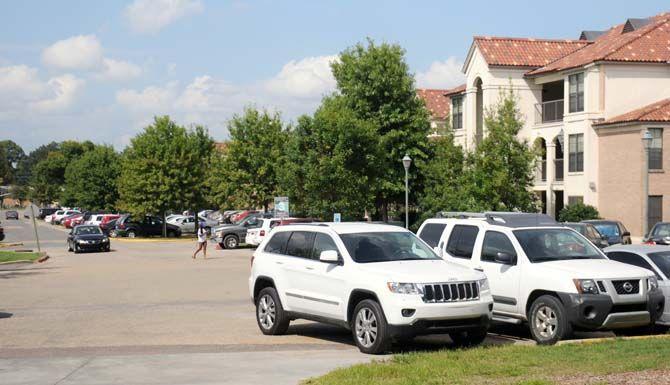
(501, 218)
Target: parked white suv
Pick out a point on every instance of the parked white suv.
(547, 275)
(381, 282)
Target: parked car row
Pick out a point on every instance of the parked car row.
(458, 274)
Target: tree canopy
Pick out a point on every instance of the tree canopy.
(90, 180)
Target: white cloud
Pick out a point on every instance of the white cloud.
(154, 98)
(150, 16)
(82, 52)
(23, 92)
(63, 91)
(441, 74)
(118, 70)
(306, 78)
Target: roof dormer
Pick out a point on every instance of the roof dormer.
(634, 24)
(590, 35)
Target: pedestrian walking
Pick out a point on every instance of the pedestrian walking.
(202, 241)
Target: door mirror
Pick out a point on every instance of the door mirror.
(626, 233)
(505, 258)
(329, 256)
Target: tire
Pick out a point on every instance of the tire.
(171, 234)
(548, 321)
(113, 234)
(469, 338)
(270, 315)
(369, 328)
(230, 242)
(131, 234)
(76, 249)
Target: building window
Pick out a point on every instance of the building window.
(656, 149)
(575, 199)
(654, 210)
(576, 148)
(576, 92)
(457, 112)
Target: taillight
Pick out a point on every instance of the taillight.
(649, 242)
(262, 233)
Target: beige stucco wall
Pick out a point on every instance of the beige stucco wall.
(631, 86)
(620, 182)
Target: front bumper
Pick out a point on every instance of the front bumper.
(436, 318)
(93, 246)
(596, 311)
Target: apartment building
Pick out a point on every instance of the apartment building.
(586, 103)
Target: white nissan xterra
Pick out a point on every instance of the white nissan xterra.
(545, 274)
(380, 281)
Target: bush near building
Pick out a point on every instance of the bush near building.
(578, 212)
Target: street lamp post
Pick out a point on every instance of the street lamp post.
(406, 162)
(646, 142)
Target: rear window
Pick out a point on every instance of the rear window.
(277, 243)
(431, 233)
(462, 241)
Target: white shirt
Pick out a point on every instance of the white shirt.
(202, 235)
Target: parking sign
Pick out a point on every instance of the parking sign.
(337, 217)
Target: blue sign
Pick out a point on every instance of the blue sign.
(337, 217)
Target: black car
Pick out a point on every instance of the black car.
(46, 211)
(12, 214)
(87, 238)
(590, 232)
(659, 234)
(131, 227)
(615, 231)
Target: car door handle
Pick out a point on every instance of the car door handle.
(479, 269)
(309, 268)
(279, 263)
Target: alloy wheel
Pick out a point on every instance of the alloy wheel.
(266, 311)
(366, 327)
(546, 322)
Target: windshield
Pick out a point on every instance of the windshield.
(386, 247)
(87, 230)
(662, 230)
(662, 260)
(578, 227)
(543, 245)
(607, 229)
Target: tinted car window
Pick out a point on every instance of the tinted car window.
(462, 241)
(431, 233)
(661, 230)
(608, 229)
(662, 260)
(277, 243)
(322, 242)
(494, 243)
(542, 245)
(386, 246)
(631, 259)
(300, 244)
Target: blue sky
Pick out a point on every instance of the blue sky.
(100, 70)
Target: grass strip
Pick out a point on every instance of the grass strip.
(510, 364)
(11, 256)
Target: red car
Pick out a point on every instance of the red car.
(72, 220)
(241, 215)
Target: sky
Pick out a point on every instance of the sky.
(100, 70)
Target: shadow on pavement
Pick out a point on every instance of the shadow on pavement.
(5, 315)
(18, 272)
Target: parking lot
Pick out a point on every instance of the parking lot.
(149, 313)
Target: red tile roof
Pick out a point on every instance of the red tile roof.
(523, 52)
(656, 112)
(648, 43)
(456, 90)
(436, 102)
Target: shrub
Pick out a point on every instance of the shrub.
(578, 212)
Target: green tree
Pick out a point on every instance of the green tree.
(377, 86)
(47, 178)
(578, 212)
(27, 164)
(164, 168)
(443, 175)
(329, 160)
(10, 156)
(90, 180)
(500, 170)
(246, 173)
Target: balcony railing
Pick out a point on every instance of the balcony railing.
(541, 171)
(558, 170)
(546, 112)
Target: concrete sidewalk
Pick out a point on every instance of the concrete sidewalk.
(239, 368)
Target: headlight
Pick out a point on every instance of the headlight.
(652, 283)
(484, 285)
(405, 288)
(586, 286)
(105, 239)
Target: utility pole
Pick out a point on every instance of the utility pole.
(37, 236)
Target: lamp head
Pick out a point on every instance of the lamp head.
(406, 162)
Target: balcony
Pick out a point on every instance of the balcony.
(541, 172)
(547, 112)
(558, 163)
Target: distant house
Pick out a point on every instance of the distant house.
(586, 104)
(439, 104)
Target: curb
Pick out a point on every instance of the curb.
(154, 240)
(41, 259)
(606, 339)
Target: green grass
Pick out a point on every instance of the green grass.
(511, 364)
(9, 256)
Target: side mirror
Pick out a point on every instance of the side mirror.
(505, 258)
(626, 234)
(329, 256)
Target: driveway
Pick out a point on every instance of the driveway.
(146, 313)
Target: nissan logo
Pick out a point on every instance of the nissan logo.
(628, 287)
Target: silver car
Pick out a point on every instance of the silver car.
(651, 257)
